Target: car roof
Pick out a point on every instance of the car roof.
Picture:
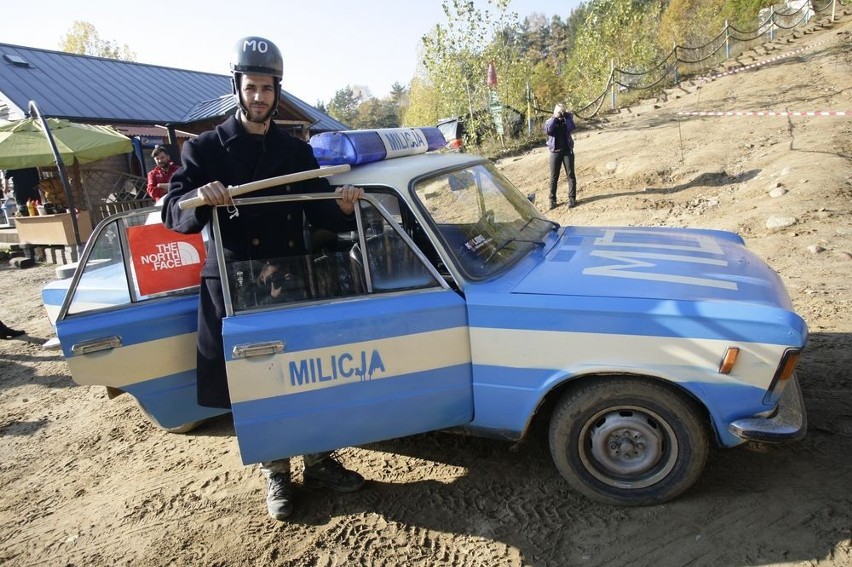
(399, 172)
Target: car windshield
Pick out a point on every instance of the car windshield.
(484, 221)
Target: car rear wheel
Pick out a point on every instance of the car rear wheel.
(628, 441)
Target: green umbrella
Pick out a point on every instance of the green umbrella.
(40, 141)
(23, 143)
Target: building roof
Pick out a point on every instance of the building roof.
(324, 122)
(83, 88)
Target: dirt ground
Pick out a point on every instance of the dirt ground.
(88, 481)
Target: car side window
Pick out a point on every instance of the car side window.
(387, 260)
(292, 279)
(135, 258)
(103, 282)
(372, 259)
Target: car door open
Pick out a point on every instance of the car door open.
(365, 343)
(128, 319)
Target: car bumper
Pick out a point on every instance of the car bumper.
(788, 423)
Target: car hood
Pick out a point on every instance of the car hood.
(655, 263)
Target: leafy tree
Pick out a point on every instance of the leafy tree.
(358, 109)
(84, 39)
(547, 49)
(375, 113)
(456, 57)
(423, 104)
(559, 41)
(619, 31)
(743, 14)
(535, 39)
(691, 23)
(453, 59)
(399, 100)
(343, 106)
(556, 58)
(547, 86)
(361, 92)
(398, 94)
(513, 67)
(695, 24)
(573, 25)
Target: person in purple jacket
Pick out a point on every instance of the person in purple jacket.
(561, 145)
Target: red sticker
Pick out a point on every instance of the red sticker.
(165, 260)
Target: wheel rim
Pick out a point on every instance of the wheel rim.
(628, 447)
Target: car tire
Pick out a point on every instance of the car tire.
(183, 428)
(628, 441)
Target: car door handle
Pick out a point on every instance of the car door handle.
(258, 349)
(94, 345)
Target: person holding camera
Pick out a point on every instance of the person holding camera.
(561, 145)
(265, 283)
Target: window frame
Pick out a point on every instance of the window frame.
(361, 238)
(118, 223)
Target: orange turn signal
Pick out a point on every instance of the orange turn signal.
(788, 365)
(728, 360)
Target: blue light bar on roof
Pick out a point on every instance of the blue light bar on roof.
(365, 146)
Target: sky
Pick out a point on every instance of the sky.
(326, 44)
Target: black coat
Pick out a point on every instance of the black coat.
(230, 155)
(26, 185)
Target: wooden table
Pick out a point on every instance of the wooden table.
(50, 230)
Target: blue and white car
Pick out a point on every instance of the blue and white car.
(454, 305)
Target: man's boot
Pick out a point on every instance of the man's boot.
(279, 496)
(328, 473)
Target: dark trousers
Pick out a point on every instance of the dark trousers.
(558, 160)
(210, 371)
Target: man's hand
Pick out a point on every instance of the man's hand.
(266, 272)
(214, 193)
(349, 195)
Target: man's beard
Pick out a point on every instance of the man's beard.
(261, 119)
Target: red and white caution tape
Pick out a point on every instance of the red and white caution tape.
(769, 113)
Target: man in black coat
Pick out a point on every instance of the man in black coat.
(26, 183)
(244, 148)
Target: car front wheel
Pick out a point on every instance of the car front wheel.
(628, 441)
